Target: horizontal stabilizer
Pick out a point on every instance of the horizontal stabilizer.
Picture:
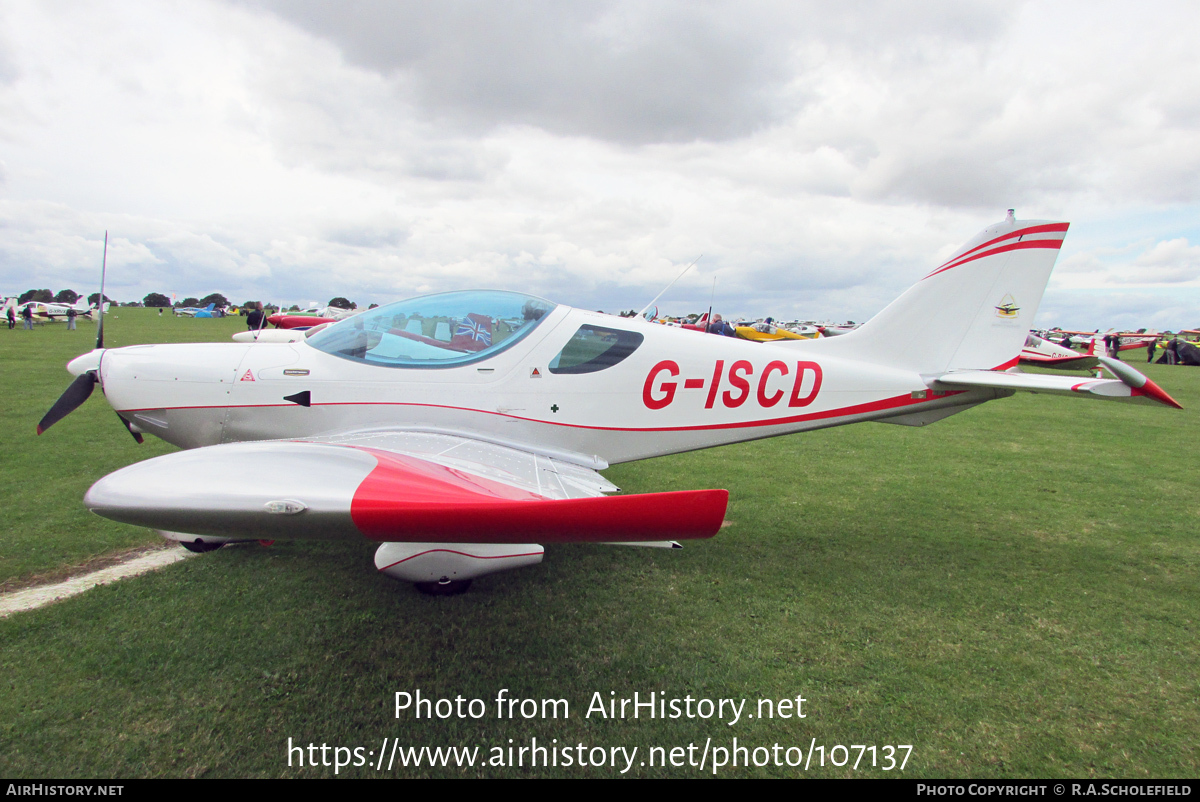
(1126, 387)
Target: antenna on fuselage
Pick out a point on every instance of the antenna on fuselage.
(669, 286)
(711, 298)
(100, 318)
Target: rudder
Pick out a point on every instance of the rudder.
(973, 312)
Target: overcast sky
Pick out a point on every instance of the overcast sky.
(821, 159)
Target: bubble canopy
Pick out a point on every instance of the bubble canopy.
(435, 331)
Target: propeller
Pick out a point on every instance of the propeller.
(136, 434)
(81, 388)
(76, 393)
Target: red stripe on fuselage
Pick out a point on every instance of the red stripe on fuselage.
(856, 409)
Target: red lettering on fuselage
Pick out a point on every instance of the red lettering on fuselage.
(716, 384)
(801, 367)
(771, 390)
(741, 366)
(668, 388)
(763, 400)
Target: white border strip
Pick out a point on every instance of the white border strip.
(33, 598)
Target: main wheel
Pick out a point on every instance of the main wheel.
(446, 587)
(199, 546)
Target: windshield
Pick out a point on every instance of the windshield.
(435, 331)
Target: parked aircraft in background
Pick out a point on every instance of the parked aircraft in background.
(330, 312)
(808, 330)
(196, 311)
(283, 320)
(308, 318)
(1047, 354)
(1128, 340)
(55, 311)
(835, 331)
(769, 332)
(461, 431)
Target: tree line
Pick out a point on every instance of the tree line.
(154, 299)
(61, 297)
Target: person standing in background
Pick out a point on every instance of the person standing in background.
(256, 320)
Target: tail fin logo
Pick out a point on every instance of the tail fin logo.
(1008, 308)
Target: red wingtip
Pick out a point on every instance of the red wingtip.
(1158, 394)
(40, 429)
(405, 499)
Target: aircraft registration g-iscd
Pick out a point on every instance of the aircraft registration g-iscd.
(464, 430)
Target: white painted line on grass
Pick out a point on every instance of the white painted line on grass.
(32, 598)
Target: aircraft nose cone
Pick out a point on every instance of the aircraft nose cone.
(82, 364)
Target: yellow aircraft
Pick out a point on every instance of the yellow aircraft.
(769, 332)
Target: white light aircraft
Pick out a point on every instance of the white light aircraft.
(196, 311)
(53, 310)
(461, 431)
(329, 312)
(1048, 354)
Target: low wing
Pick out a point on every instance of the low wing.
(394, 487)
(1080, 362)
(1130, 385)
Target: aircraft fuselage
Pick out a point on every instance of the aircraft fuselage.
(677, 391)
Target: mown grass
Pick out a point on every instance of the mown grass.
(44, 478)
(1013, 591)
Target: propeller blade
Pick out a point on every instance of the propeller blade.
(136, 435)
(70, 400)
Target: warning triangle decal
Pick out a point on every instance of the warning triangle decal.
(248, 377)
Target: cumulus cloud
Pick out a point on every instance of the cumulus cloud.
(1169, 262)
(630, 72)
(1087, 310)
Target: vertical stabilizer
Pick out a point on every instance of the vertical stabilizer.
(973, 312)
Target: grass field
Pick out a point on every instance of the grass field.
(1012, 591)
